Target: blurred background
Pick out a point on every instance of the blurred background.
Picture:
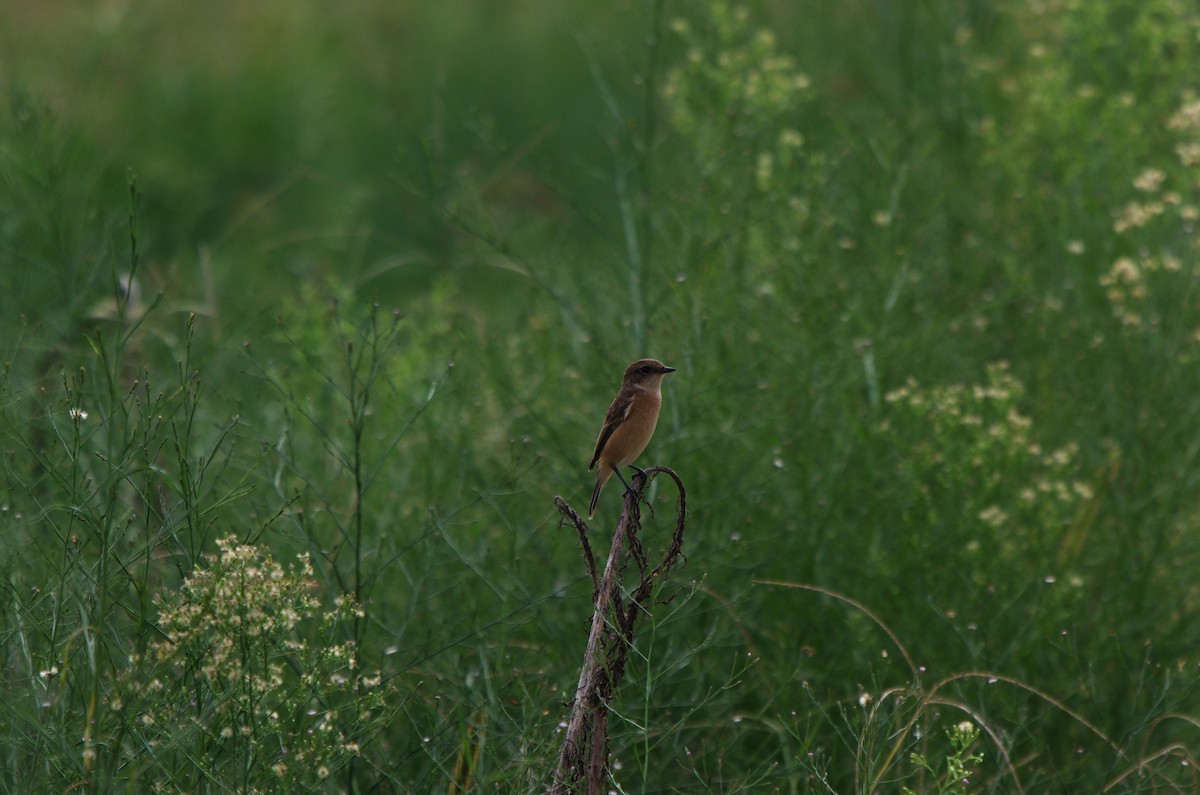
(358, 281)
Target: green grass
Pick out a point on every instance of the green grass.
(928, 272)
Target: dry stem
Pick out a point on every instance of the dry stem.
(583, 762)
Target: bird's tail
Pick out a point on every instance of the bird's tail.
(600, 480)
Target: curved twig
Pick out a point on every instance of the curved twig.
(859, 606)
(581, 527)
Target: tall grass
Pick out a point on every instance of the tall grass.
(928, 272)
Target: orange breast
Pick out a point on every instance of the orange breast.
(631, 436)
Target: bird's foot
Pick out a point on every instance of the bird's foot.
(628, 489)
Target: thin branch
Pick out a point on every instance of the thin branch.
(581, 527)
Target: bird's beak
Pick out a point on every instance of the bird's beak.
(668, 369)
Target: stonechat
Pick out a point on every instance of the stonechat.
(629, 424)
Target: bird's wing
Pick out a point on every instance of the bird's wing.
(617, 413)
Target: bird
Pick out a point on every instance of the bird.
(629, 423)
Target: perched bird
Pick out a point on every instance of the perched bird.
(629, 424)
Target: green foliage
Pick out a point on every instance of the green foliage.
(252, 687)
(928, 272)
(960, 761)
(980, 480)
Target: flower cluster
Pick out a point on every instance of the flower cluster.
(251, 674)
(1141, 288)
(739, 69)
(973, 460)
(1129, 282)
(755, 148)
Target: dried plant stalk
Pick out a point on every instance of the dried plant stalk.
(583, 761)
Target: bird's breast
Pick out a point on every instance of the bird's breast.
(631, 437)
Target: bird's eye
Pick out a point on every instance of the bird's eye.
(646, 368)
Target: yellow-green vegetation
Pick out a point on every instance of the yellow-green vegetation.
(307, 312)
(238, 690)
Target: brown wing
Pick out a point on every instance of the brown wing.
(617, 413)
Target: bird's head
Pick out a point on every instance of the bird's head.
(646, 373)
